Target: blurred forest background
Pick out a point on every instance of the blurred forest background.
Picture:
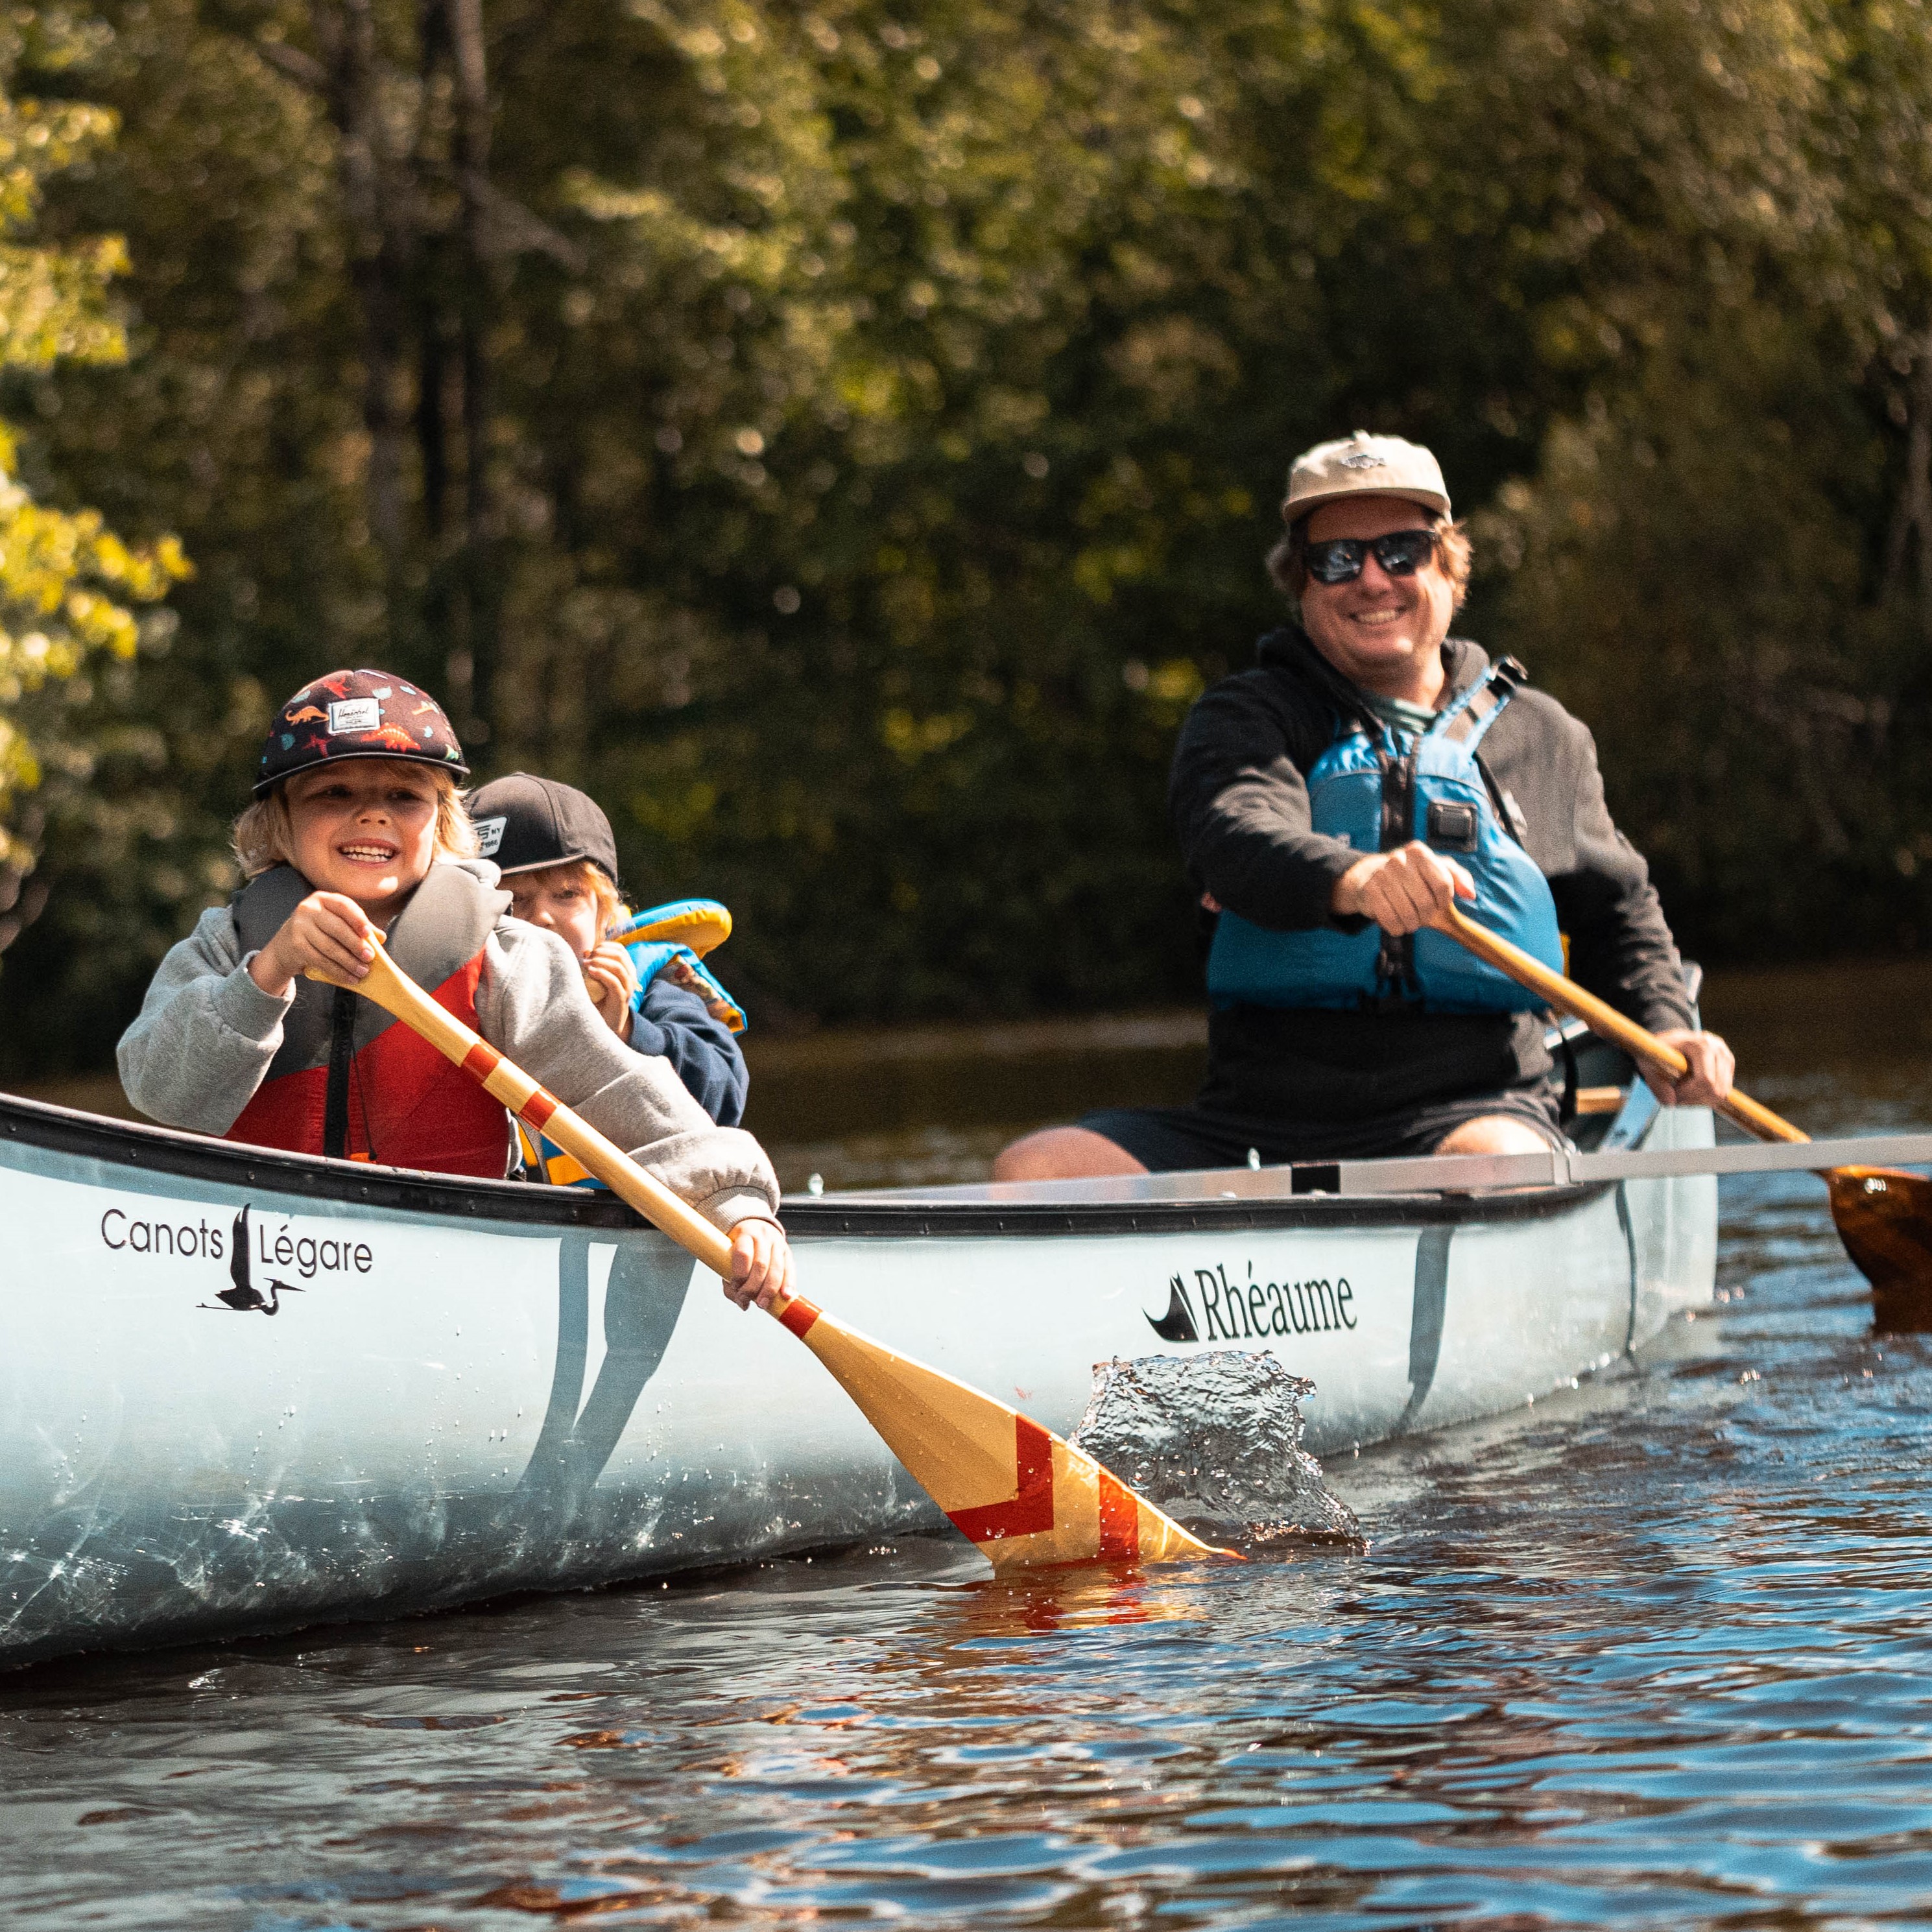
(843, 436)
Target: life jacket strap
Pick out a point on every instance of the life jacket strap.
(1395, 959)
(341, 1064)
(1479, 707)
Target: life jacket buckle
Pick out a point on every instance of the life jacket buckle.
(1452, 825)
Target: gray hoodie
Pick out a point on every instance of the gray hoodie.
(206, 1034)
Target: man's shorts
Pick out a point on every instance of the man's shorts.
(1168, 1140)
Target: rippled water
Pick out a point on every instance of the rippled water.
(1657, 1652)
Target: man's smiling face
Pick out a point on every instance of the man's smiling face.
(366, 828)
(1385, 633)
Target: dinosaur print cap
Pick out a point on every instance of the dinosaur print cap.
(357, 714)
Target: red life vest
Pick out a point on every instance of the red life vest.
(348, 1081)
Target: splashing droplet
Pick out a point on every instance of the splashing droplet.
(1215, 1439)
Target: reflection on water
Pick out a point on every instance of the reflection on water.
(1655, 1653)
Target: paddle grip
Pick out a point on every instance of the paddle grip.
(1603, 1019)
(395, 992)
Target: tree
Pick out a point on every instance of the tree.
(843, 437)
(66, 580)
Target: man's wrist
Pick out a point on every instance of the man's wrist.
(1344, 897)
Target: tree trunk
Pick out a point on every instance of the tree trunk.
(433, 378)
(345, 34)
(482, 566)
(1911, 521)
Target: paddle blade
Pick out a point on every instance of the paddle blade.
(1026, 1497)
(1884, 1220)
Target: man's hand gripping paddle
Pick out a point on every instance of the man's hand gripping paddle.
(1884, 1214)
(1025, 1497)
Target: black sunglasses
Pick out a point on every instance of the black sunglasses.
(1401, 554)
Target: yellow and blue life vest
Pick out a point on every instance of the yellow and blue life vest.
(1377, 792)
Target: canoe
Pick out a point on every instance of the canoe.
(416, 1391)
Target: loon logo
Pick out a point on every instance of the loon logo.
(1177, 1324)
(1221, 1310)
(245, 1297)
(1365, 460)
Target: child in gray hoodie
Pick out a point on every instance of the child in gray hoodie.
(357, 829)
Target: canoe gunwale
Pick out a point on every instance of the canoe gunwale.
(66, 1130)
(805, 1219)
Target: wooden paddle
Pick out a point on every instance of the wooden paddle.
(1884, 1214)
(1024, 1495)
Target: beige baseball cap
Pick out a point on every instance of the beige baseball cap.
(1363, 465)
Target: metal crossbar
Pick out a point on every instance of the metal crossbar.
(1560, 1167)
(1434, 1173)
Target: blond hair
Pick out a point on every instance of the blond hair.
(264, 835)
(587, 876)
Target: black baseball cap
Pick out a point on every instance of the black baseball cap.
(524, 823)
(357, 714)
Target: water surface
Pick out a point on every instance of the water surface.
(1655, 1652)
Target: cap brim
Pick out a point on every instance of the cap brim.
(456, 769)
(545, 864)
(1293, 511)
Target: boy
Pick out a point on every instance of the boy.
(557, 857)
(358, 828)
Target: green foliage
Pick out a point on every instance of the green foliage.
(66, 580)
(844, 438)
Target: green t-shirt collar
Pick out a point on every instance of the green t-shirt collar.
(1412, 720)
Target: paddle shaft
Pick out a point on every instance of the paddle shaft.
(503, 1080)
(1566, 996)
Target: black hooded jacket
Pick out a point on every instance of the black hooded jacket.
(1239, 799)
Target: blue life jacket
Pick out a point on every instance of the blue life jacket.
(1376, 793)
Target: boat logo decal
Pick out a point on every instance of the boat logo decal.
(1233, 1311)
(1178, 1324)
(276, 1251)
(245, 1297)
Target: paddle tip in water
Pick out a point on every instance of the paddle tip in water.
(1028, 1499)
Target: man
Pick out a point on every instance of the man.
(1332, 803)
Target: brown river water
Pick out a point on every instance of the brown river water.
(1657, 1652)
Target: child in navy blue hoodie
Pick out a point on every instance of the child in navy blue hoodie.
(554, 851)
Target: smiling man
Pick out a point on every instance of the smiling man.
(1332, 802)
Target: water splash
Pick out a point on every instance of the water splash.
(1215, 1440)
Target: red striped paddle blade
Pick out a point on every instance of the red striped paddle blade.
(1017, 1490)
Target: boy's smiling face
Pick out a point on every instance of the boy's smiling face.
(366, 828)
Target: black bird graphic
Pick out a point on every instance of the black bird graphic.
(245, 1297)
(1177, 1323)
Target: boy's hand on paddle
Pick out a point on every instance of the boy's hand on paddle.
(1712, 1070)
(1402, 891)
(612, 983)
(761, 1264)
(327, 930)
